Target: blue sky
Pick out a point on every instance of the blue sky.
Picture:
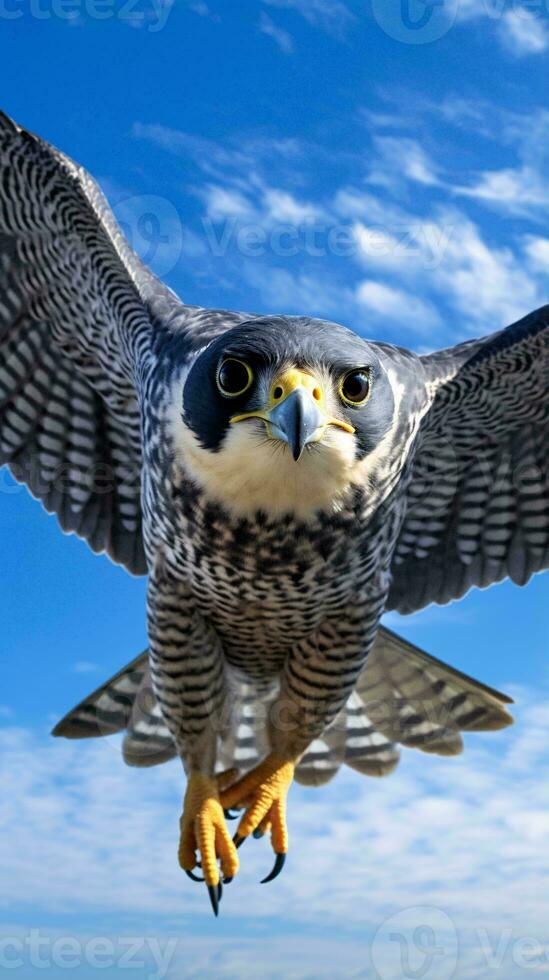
(307, 156)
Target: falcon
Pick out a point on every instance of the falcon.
(283, 482)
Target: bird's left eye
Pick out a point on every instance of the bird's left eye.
(354, 387)
(234, 377)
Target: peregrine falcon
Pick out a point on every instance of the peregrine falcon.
(283, 482)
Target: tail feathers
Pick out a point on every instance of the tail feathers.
(420, 702)
(403, 697)
(147, 741)
(367, 750)
(242, 740)
(324, 756)
(125, 703)
(351, 739)
(107, 710)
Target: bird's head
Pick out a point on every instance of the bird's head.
(280, 414)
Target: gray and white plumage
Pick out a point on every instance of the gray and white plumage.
(273, 587)
(402, 697)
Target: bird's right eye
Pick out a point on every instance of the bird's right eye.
(234, 377)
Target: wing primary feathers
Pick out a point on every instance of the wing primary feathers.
(478, 500)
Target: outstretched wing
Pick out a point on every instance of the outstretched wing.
(77, 312)
(478, 501)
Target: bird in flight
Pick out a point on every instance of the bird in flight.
(283, 482)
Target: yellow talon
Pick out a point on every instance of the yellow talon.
(264, 791)
(203, 828)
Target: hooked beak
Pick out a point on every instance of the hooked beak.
(295, 413)
(296, 421)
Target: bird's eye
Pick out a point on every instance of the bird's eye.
(354, 387)
(234, 377)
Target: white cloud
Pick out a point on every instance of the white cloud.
(405, 246)
(353, 203)
(443, 256)
(301, 292)
(239, 157)
(397, 305)
(81, 834)
(242, 189)
(537, 251)
(377, 245)
(521, 27)
(487, 285)
(262, 205)
(523, 33)
(330, 15)
(402, 158)
(413, 261)
(200, 8)
(519, 190)
(282, 38)
(227, 202)
(283, 207)
(211, 157)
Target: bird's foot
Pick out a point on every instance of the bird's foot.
(203, 829)
(263, 792)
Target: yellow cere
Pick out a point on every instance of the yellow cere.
(283, 386)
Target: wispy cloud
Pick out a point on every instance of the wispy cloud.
(521, 27)
(262, 204)
(523, 33)
(200, 8)
(400, 158)
(425, 259)
(240, 156)
(521, 189)
(467, 836)
(282, 38)
(515, 190)
(227, 202)
(304, 291)
(484, 283)
(537, 251)
(330, 15)
(446, 258)
(397, 305)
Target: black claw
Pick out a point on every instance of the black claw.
(227, 881)
(278, 865)
(193, 877)
(238, 841)
(258, 834)
(213, 892)
(220, 891)
(229, 815)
